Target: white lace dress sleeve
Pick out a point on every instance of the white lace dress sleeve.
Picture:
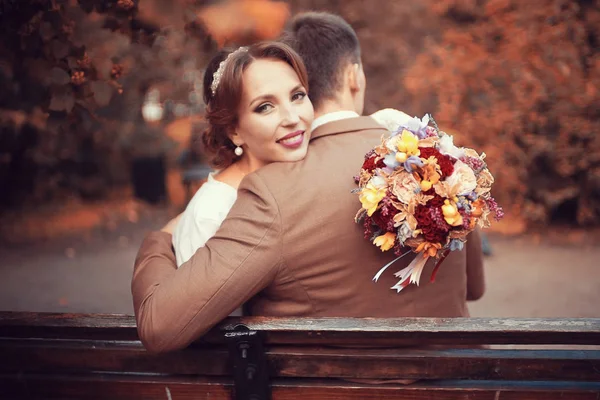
(202, 218)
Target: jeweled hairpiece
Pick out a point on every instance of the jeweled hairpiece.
(219, 72)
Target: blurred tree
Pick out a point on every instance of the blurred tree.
(521, 83)
(79, 72)
(516, 79)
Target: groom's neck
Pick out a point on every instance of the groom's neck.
(334, 105)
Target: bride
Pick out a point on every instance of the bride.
(258, 112)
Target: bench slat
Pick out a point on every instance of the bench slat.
(342, 331)
(149, 388)
(310, 362)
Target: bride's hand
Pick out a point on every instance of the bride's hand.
(170, 226)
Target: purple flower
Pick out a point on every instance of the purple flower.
(368, 225)
(431, 132)
(475, 163)
(456, 244)
(411, 162)
(438, 219)
(495, 208)
(415, 125)
(419, 126)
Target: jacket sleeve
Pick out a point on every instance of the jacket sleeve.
(174, 307)
(475, 272)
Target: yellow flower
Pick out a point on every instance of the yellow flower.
(451, 214)
(370, 196)
(408, 145)
(386, 241)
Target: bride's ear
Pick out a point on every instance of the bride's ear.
(235, 137)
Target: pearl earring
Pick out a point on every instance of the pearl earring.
(238, 151)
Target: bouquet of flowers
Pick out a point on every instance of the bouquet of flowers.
(421, 193)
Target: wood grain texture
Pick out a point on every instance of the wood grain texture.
(342, 331)
(69, 356)
(75, 356)
(103, 386)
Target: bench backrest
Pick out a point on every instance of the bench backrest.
(84, 356)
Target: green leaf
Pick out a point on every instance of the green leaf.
(62, 100)
(103, 66)
(38, 70)
(58, 76)
(103, 92)
(59, 49)
(47, 32)
(72, 62)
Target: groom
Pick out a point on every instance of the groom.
(289, 246)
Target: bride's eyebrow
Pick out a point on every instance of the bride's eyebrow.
(271, 97)
(296, 88)
(261, 97)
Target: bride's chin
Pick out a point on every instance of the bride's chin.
(298, 155)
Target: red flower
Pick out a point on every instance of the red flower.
(370, 164)
(385, 220)
(437, 200)
(445, 162)
(428, 225)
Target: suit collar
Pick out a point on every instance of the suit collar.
(346, 125)
(332, 116)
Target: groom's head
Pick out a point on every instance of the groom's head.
(331, 52)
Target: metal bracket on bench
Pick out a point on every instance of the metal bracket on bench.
(250, 372)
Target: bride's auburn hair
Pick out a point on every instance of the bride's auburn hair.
(222, 106)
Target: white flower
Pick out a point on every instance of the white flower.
(446, 146)
(390, 118)
(462, 179)
(416, 124)
(404, 232)
(378, 181)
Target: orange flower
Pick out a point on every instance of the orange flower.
(477, 208)
(428, 175)
(428, 248)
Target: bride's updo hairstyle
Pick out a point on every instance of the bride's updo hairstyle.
(222, 97)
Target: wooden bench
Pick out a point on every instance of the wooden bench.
(68, 356)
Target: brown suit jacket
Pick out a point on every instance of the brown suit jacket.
(290, 247)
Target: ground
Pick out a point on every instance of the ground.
(555, 274)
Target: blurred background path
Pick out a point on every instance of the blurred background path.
(526, 277)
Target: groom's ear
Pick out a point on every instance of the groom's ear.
(353, 72)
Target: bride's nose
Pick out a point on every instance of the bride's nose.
(289, 115)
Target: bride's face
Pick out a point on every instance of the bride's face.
(274, 115)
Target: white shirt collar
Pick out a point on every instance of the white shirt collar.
(332, 116)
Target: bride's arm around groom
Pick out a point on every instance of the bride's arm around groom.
(174, 307)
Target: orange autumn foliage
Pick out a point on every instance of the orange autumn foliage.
(520, 83)
(516, 80)
(244, 21)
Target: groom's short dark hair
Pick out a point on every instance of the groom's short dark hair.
(327, 44)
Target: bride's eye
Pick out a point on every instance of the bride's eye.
(263, 108)
(298, 96)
